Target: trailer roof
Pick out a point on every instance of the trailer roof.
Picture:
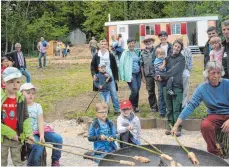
(163, 20)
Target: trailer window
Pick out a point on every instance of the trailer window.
(150, 29)
(175, 28)
(122, 29)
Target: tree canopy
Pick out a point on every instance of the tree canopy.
(27, 21)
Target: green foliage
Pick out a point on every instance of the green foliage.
(27, 21)
(200, 112)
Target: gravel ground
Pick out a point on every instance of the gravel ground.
(72, 134)
(70, 130)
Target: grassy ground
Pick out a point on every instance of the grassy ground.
(65, 88)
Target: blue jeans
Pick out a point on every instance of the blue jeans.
(37, 150)
(44, 59)
(135, 86)
(161, 100)
(26, 74)
(105, 96)
(114, 96)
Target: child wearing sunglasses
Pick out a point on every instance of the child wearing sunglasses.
(128, 125)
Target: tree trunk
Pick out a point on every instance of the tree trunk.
(12, 46)
(6, 48)
(27, 9)
(32, 48)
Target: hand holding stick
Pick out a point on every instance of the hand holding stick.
(191, 155)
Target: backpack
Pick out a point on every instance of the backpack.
(44, 43)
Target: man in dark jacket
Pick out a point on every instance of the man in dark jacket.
(19, 62)
(212, 32)
(148, 72)
(225, 43)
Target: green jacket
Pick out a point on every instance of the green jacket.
(24, 127)
(125, 65)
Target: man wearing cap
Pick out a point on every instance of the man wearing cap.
(18, 59)
(148, 73)
(42, 47)
(163, 36)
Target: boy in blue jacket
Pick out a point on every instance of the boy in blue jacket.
(101, 129)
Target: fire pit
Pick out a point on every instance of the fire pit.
(205, 158)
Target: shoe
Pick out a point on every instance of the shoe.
(88, 153)
(137, 109)
(171, 92)
(168, 132)
(162, 115)
(56, 163)
(153, 110)
(39, 67)
(178, 134)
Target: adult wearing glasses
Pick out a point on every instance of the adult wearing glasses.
(214, 93)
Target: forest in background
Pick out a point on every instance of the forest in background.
(27, 21)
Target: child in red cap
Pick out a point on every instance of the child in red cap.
(128, 124)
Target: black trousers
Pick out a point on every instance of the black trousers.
(150, 86)
(126, 138)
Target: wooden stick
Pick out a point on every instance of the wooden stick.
(68, 145)
(141, 147)
(94, 97)
(191, 155)
(104, 159)
(159, 151)
(179, 141)
(138, 158)
(164, 156)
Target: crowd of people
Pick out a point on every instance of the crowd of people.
(167, 65)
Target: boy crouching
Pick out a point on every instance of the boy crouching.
(128, 125)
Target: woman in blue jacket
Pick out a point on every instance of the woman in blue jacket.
(130, 71)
